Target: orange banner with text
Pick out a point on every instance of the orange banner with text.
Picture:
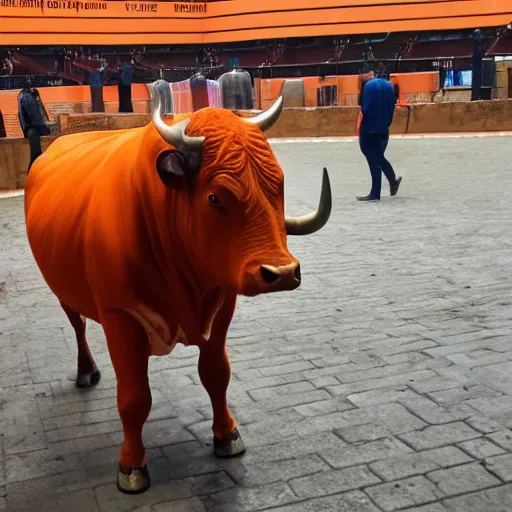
(92, 22)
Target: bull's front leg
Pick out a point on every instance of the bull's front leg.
(129, 351)
(215, 373)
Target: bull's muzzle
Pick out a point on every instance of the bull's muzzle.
(285, 277)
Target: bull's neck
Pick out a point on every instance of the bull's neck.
(165, 230)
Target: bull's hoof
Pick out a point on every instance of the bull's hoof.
(134, 481)
(88, 379)
(230, 446)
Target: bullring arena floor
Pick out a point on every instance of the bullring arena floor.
(384, 383)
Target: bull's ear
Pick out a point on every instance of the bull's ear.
(171, 167)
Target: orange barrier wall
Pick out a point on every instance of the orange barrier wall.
(414, 87)
(472, 116)
(68, 99)
(91, 22)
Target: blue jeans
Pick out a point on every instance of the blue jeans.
(373, 146)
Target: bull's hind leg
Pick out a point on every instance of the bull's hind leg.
(129, 351)
(215, 373)
(87, 373)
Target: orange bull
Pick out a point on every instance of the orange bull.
(153, 232)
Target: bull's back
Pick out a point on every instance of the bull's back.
(58, 193)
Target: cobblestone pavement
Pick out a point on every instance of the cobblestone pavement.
(383, 383)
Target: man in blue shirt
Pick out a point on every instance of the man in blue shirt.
(377, 109)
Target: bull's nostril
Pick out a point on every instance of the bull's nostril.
(296, 273)
(268, 276)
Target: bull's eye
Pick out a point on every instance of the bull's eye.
(214, 200)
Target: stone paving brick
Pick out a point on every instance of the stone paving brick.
(286, 368)
(81, 501)
(353, 455)
(366, 385)
(322, 382)
(26, 466)
(401, 423)
(15, 369)
(381, 396)
(28, 494)
(485, 424)
(299, 446)
(405, 493)
(455, 395)
(3, 474)
(492, 343)
(433, 507)
(256, 498)
(255, 474)
(440, 435)
(502, 438)
(109, 498)
(330, 371)
(406, 357)
(406, 347)
(435, 384)
(462, 479)
(501, 466)
(396, 468)
(294, 387)
(435, 414)
(265, 362)
(271, 400)
(52, 407)
(498, 499)
(266, 382)
(323, 407)
(462, 337)
(187, 505)
(330, 482)
(481, 448)
(358, 372)
(86, 444)
(21, 424)
(475, 359)
(491, 405)
(393, 415)
(90, 430)
(355, 501)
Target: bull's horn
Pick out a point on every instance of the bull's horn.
(266, 119)
(307, 224)
(175, 135)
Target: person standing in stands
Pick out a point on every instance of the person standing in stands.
(3, 133)
(375, 117)
(396, 87)
(476, 65)
(31, 120)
